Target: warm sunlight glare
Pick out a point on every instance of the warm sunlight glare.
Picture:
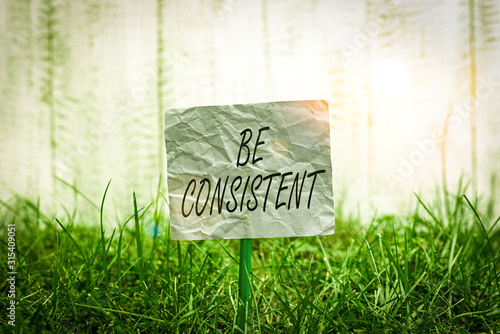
(390, 78)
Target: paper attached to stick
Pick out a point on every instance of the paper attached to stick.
(249, 170)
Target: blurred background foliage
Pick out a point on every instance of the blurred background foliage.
(413, 88)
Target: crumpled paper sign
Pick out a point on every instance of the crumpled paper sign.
(249, 170)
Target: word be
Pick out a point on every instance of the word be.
(249, 192)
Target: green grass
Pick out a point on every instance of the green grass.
(435, 271)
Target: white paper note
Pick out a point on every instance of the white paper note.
(249, 170)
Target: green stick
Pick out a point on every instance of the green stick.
(244, 283)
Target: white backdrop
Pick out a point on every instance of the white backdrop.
(83, 86)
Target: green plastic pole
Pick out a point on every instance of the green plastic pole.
(244, 283)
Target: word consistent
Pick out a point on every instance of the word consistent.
(247, 192)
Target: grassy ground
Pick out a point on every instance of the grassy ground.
(436, 271)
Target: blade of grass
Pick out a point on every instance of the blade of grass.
(480, 222)
(428, 211)
(103, 241)
(72, 240)
(76, 190)
(138, 241)
(119, 254)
